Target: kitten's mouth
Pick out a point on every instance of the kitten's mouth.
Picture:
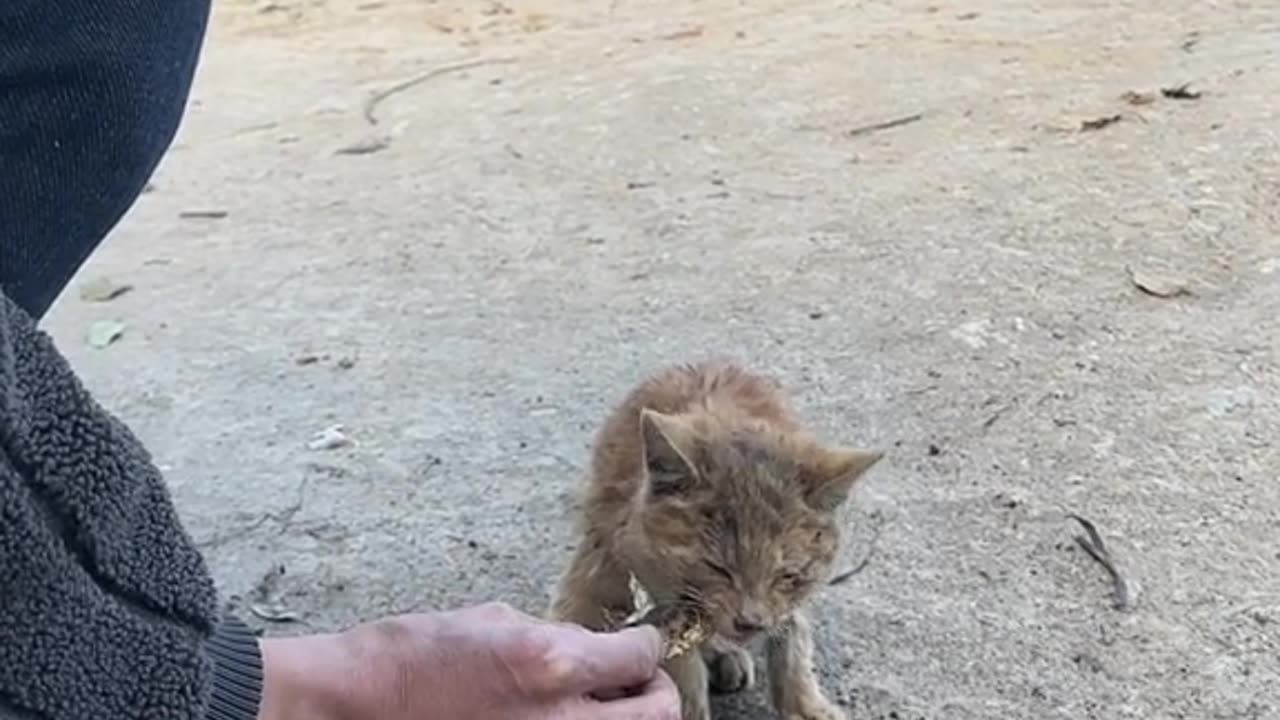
(739, 636)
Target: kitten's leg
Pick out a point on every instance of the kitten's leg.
(690, 675)
(594, 591)
(793, 685)
(729, 666)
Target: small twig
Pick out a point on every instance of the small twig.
(371, 105)
(1097, 549)
(1099, 123)
(886, 125)
(866, 559)
(1181, 92)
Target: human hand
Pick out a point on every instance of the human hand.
(483, 663)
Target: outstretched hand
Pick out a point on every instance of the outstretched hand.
(484, 663)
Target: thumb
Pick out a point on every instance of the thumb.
(625, 659)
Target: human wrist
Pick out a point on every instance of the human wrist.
(305, 678)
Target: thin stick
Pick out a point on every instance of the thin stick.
(1097, 549)
(886, 125)
(371, 105)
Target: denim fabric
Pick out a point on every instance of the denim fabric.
(91, 93)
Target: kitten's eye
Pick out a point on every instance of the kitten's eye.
(791, 580)
(720, 570)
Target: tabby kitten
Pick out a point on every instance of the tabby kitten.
(703, 486)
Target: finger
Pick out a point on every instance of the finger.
(608, 661)
(658, 699)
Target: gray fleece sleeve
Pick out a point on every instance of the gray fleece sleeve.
(106, 609)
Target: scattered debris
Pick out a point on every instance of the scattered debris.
(371, 105)
(104, 332)
(1125, 593)
(1181, 92)
(968, 16)
(639, 185)
(817, 315)
(686, 34)
(886, 125)
(103, 289)
(263, 591)
(1099, 123)
(1157, 285)
(307, 360)
(365, 146)
(330, 438)
(346, 363)
(202, 214)
(274, 612)
(1133, 97)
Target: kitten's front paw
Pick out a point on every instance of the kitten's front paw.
(816, 709)
(731, 670)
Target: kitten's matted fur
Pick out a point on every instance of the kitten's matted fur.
(702, 485)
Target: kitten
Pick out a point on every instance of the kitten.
(703, 485)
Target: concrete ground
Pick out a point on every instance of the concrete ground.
(466, 285)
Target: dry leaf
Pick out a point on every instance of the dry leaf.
(1161, 286)
(103, 289)
(105, 332)
(683, 625)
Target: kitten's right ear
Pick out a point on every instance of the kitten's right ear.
(668, 444)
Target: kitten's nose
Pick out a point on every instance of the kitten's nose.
(747, 625)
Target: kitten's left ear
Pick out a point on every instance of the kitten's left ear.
(831, 476)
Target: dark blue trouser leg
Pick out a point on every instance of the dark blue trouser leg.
(91, 93)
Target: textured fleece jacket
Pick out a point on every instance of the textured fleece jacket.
(106, 608)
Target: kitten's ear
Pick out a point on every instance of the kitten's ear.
(831, 477)
(668, 453)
